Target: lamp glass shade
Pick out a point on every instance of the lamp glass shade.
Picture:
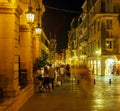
(30, 16)
(38, 30)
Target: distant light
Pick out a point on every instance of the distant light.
(97, 52)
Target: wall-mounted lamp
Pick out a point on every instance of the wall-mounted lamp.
(30, 14)
(38, 29)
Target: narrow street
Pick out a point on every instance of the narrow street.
(104, 95)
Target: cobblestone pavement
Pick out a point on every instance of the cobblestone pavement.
(104, 95)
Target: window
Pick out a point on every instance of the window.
(109, 24)
(102, 6)
(109, 44)
(91, 31)
(95, 28)
(98, 27)
(109, 6)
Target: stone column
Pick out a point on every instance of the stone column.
(26, 51)
(9, 48)
(36, 47)
(103, 66)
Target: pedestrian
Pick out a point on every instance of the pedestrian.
(46, 80)
(68, 71)
(62, 73)
(86, 81)
(52, 74)
(57, 73)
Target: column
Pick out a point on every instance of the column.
(102, 66)
(9, 48)
(26, 51)
(36, 47)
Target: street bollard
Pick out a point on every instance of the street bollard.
(94, 81)
(110, 81)
(1, 95)
(78, 82)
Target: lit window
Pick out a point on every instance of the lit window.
(109, 44)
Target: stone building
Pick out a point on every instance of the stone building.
(19, 47)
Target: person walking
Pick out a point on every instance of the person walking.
(52, 74)
(62, 73)
(68, 72)
(46, 80)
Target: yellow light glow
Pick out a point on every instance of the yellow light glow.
(97, 52)
(38, 30)
(30, 15)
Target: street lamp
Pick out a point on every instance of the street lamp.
(38, 29)
(30, 14)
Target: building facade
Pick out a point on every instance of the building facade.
(98, 36)
(52, 47)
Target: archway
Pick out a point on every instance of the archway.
(109, 63)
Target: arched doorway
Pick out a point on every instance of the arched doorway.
(109, 63)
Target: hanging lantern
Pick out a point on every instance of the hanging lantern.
(30, 15)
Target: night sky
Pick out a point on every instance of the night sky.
(57, 19)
